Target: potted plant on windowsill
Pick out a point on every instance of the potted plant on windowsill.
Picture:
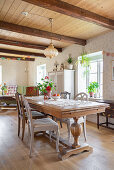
(70, 61)
(92, 88)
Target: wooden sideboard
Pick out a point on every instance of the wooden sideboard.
(109, 113)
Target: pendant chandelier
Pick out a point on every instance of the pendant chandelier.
(50, 51)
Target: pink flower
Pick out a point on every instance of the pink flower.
(48, 88)
(46, 77)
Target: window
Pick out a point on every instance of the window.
(95, 73)
(0, 74)
(41, 72)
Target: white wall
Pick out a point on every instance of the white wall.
(13, 72)
(104, 43)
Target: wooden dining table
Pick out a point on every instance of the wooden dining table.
(64, 108)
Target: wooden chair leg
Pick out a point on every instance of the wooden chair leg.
(19, 126)
(31, 143)
(61, 124)
(23, 128)
(98, 120)
(50, 134)
(106, 121)
(57, 140)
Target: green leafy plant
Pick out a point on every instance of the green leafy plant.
(69, 60)
(46, 85)
(84, 60)
(92, 87)
(4, 87)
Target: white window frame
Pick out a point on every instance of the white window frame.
(38, 66)
(94, 57)
(98, 76)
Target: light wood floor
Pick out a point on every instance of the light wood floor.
(14, 154)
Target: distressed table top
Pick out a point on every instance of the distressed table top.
(66, 108)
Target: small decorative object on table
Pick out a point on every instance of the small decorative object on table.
(4, 89)
(70, 61)
(46, 87)
(92, 88)
(56, 96)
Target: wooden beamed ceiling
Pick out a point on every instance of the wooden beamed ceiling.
(23, 44)
(74, 23)
(73, 11)
(40, 33)
(2, 50)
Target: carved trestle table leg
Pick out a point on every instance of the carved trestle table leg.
(76, 129)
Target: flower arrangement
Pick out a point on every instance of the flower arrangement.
(4, 88)
(46, 86)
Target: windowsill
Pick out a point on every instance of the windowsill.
(94, 99)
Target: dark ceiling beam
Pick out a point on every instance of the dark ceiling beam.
(40, 33)
(32, 54)
(73, 11)
(17, 58)
(24, 44)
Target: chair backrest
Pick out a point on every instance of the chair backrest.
(18, 103)
(32, 91)
(81, 96)
(11, 89)
(28, 110)
(22, 106)
(65, 94)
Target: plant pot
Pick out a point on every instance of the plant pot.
(91, 94)
(49, 94)
(70, 66)
(45, 96)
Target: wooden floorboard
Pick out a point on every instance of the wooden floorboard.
(14, 154)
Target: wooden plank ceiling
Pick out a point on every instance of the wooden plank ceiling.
(11, 12)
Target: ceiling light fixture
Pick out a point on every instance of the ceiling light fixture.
(24, 13)
(51, 51)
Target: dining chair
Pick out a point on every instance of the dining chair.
(22, 115)
(65, 95)
(44, 124)
(68, 121)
